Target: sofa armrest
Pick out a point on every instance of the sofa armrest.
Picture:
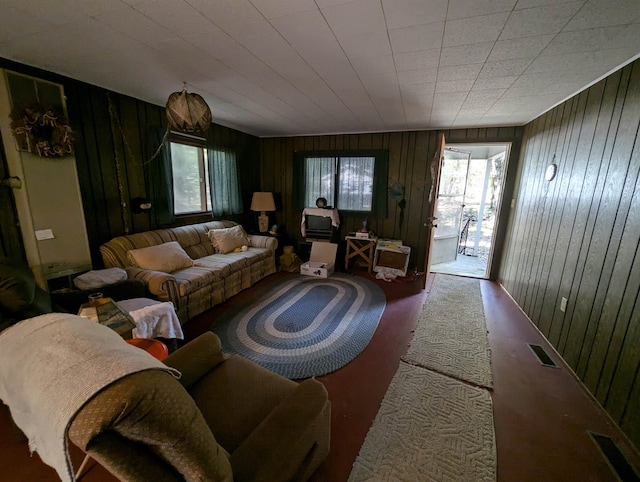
(259, 241)
(161, 285)
(291, 441)
(197, 358)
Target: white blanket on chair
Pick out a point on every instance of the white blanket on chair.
(50, 366)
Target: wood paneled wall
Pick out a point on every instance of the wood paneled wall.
(410, 156)
(578, 237)
(112, 153)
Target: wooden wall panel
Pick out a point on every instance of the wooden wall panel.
(410, 155)
(578, 237)
(111, 155)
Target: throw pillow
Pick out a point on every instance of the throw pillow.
(99, 278)
(166, 257)
(225, 240)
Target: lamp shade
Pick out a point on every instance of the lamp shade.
(263, 201)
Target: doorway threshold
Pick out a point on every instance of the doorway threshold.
(471, 266)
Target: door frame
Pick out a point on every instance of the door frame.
(436, 165)
(503, 204)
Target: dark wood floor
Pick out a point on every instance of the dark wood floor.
(541, 414)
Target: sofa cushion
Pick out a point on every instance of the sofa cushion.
(17, 287)
(227, 239)
(165, 257)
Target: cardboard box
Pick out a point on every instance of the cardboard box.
(392, 258)
(322, 260)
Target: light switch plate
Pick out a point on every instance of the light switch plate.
(42, 234)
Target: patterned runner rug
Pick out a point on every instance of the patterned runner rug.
(435, 422)
(430, 427)
(304, 326)
(451, 336)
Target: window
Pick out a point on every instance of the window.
(190, 172)
(204, 179)
(348, 180)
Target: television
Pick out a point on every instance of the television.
(318, 228)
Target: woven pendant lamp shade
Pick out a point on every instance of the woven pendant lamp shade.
(188, 113)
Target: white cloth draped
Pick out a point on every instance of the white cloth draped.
(50, 366)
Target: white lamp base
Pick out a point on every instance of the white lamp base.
(263, 223)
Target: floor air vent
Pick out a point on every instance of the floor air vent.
(615, 458)
(542, 356)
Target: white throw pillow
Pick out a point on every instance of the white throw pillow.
(225, 240)
(99, 277)
(166, 257)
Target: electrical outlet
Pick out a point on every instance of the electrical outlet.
(563, 304)
(513, 203)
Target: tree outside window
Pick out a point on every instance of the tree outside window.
(190, 171)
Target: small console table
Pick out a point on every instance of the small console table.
(362, 247)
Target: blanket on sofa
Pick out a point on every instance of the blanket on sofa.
(50, 366)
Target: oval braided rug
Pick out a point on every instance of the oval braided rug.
(304, 326)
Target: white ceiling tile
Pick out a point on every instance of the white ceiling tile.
(494, 82)
(605, 13)
(15, 24)
(473, 30)
(526, 4)
(418, 76)
(52, 14)
(548, 19)
(420, 59)
(481, 97)
(356, 17)
(469, 71)
(465, 9)
(278, 8)
(588, 62)
(504, 68)
(373, 65)
(463, 85)
(228, 13)
(420, 37)
(582, 40)
(370, 44)
(406, 13)
(96, 7)
(136, 25)
(175, 16)
(519, 48)
(296, 67)
(465, 54)
(418, 91)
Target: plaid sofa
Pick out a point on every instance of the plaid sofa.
(213, 279)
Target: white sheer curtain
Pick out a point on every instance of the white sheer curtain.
(320, 173)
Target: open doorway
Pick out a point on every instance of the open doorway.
(469, 193)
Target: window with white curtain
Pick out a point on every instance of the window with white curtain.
(346, 182)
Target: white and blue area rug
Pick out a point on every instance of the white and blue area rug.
(303, 326)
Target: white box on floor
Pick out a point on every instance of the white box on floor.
(322, 260)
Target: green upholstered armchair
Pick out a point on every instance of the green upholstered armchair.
(225, 419)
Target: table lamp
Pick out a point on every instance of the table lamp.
(263, 202)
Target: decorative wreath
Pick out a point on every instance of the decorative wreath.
(41, 131)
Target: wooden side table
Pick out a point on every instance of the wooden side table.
(362, 247)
